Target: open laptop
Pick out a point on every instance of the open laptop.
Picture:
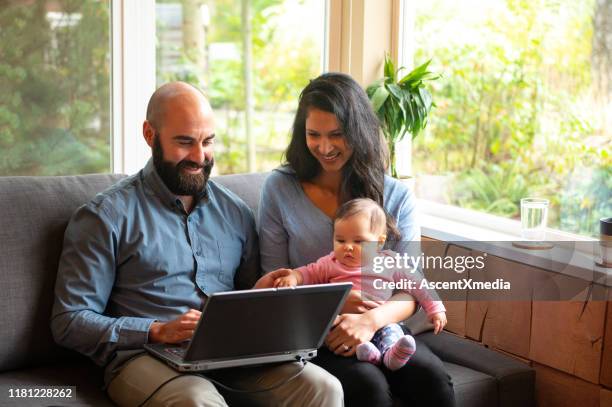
(241, 328)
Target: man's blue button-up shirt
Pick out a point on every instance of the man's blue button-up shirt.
(133, 255)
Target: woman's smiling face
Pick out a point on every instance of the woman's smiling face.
(325, 140)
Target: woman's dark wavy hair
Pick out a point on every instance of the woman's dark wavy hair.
(363, 174)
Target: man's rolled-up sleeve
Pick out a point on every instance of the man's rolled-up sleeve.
(85, 279)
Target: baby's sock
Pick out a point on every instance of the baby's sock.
(400, 353)
(367, 352)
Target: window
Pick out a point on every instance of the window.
(55, 80)
(524, 107)
(252, 59)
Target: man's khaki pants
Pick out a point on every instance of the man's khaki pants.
(143, 379)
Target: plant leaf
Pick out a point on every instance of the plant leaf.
(398, 98)
(372, 88)
(379, 97)
(402, 106)
(418, 73)
(389, 69)
(410, 111)
(425, 98)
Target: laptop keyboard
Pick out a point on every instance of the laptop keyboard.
(180, 352)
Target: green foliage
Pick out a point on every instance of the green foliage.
(496, 190)
(402, 105)
(586, 198)
(281, 69)
(55, 104)
(516, 113)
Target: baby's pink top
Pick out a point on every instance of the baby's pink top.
(329, 270)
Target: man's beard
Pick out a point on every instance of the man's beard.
(178, 182)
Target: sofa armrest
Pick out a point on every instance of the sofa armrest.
(515, 380)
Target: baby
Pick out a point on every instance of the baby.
(359, 221)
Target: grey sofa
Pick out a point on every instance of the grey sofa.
(34, 212)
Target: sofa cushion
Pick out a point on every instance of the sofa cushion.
(472, 388)
(84, 376)
(246, 186)
(35, 212)
(515, 380)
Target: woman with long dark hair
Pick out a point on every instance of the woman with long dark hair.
(336, 154)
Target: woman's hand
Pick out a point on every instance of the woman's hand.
(349, 331)
(267, 280)
(355, 304)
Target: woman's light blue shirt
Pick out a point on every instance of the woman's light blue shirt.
(294, 232)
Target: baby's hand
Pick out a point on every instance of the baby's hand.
(285, 282)
(439, 321)
(287, 278)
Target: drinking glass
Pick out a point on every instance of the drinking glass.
(534, 212)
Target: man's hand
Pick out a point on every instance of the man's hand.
(267, 280)
(355, 304)
(349, 331)
(175, 331)
(439, 322)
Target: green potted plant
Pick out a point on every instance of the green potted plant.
(401, 104)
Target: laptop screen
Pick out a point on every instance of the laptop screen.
(259, 322)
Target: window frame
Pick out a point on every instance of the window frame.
(132, 81)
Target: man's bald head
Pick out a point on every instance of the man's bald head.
(180, 129)
(174, 94)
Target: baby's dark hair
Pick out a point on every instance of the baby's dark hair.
(380, 221)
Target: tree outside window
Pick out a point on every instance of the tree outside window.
(524, 107)
(252, 58)
(55, 80)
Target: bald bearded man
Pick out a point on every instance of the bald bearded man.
(139, 260)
